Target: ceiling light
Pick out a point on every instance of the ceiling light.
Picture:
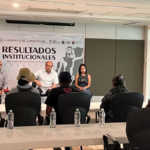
(15, 5)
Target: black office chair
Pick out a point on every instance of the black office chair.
(123, 104)
(25, 106)
(25, 116)
(68, 103)
(137, 130)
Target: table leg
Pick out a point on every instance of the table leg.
(96, 117)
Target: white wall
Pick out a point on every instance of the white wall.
(147, 64)
(95, 31)
(99, 31)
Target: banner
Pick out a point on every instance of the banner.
(29, 49)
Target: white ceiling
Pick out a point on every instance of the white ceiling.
(132, 12)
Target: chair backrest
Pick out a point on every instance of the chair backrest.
(25, 105)
(25, 116)
(124, 103)
(68, 103)
(138, 129)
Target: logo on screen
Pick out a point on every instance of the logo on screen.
(68, 42)
(12, 40)
(43, 42)
(1, 40)
(56, 42)
(32, 41)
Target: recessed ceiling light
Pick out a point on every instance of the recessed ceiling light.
(15, 5)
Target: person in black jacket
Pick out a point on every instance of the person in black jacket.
(118, 87)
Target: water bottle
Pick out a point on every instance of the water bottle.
(102, 117)
(53, 119)
(77, 118)
(10, 121)
(3, 98)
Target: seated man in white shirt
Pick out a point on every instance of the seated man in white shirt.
(46, 79)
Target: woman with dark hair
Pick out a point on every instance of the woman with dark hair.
(83, 80)
(118, 87)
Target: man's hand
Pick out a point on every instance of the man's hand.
(38, 83)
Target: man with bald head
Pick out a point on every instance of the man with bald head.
(47, 78)
(3, 80)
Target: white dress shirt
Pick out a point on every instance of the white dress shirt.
(46, 79)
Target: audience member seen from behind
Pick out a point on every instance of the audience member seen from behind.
(3, 80)
(25, 76)
(46, 79)
(118, 87)
(23, 90)
(52, 99)
(83, 80)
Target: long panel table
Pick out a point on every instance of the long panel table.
(36, 137)
(94, 106)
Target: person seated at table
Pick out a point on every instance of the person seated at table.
(46, 79)
(52, 99)
(22, 89)
(65, 88)
(83, 80)
(118, 87)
